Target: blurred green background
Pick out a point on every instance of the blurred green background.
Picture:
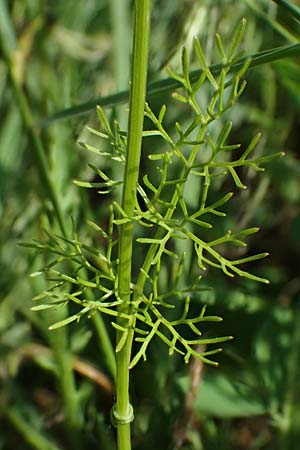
(56, 55)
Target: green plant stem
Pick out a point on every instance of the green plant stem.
(104, 342)
(63, 357)
(135, 128)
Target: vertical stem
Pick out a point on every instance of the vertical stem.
(135, 129)
(72, 410)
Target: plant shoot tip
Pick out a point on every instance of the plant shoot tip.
(35, 274)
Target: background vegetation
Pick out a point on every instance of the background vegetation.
(59, 54)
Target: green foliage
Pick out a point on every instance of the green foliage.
(164, 217)
(63, 64)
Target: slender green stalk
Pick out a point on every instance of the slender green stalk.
(104, 342)
(72, 411)
(135, 128)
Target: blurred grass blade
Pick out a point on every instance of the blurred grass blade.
(280, 29)
(8, 40)
(33, 437)
(168, 84)
(6, 29)
(288, 75)
(291, 7)
(119, 16)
